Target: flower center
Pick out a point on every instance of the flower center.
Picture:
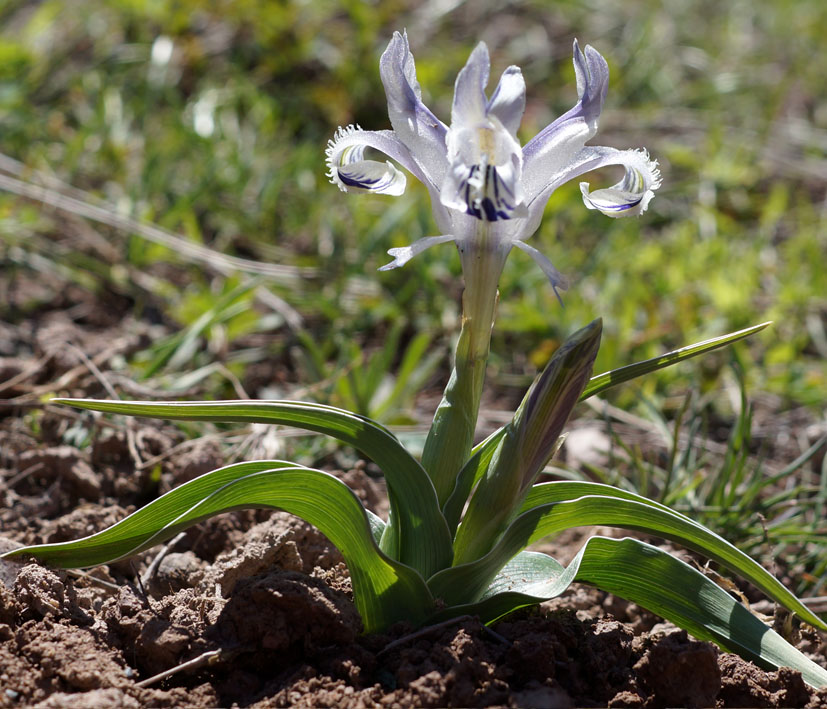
(486, 142)
(486, 194)
(485, 169)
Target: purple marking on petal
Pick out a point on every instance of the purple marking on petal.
(358, 182)
(345, 153)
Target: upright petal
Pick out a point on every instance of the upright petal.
(348, 169)
(592, 75)
(470, 102)
(555, 146)
(415, 125)
(484, 177)
(508, 101)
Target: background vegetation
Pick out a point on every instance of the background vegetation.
(210, 120)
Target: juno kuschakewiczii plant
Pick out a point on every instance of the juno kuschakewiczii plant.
(460, 520)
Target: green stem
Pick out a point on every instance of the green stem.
(451, 437)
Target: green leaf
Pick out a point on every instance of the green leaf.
(180, 347)
(481, 456)
(416, 366)
(147, 526)
(683, 595)
(663, 521)
(416, 533)
(646, 575)
(385, 591)
(607, 380)
(523, 573)
(563, 505)
(470, 474)
(377, 526)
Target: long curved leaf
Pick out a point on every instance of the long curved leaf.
(655, 580)
(146, 527)
(416, 533)
(477, 463)
(385, 591)
(699, 539)
(556, 511)
(679, 593)
(530, 439)
(562, 490)
(600, 382)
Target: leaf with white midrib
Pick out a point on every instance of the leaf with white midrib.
(416, 533)
(385, 591)
(563, 505)
(653, 579)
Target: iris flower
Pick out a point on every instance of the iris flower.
(487, 192)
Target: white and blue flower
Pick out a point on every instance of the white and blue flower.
(487, 193)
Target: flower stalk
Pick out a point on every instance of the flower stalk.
(451, 435)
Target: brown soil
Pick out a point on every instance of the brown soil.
(258, 604)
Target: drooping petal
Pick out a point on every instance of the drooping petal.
(632, 194)
(469, 90)
(557, 144)
(413, 122)
(348, 169)
(403, 254)
(508, 101)
(372, 176)
(627, 198)
(557, 279)
(616, 201)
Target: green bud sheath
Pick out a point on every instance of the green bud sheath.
(530, 440)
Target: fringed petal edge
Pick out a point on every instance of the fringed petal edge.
(631, 196)
(349, 171)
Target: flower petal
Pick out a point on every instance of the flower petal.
(632, 194)
(592, 74)
(403, 254)
(629, 197)
(555, 146)
(415, 125)
(470, 102)
(372, 176)
(487, 192)
(508, 101)
(485, 158)
(557, 279)
(347, 168)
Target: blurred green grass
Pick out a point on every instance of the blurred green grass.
(211, 120)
